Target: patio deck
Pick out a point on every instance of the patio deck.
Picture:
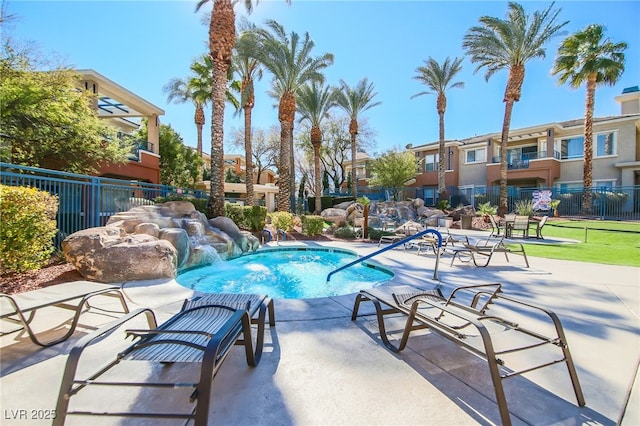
(320, 368)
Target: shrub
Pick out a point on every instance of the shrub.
(614, 201)
(235, 212)
(312, 225)
(200, 204)
(325, 203)
(254, 217)
(524, 207)
(28, 227)
(443, 205)
(345, 232)
(281, 220)
(375, 234)
(487, 209)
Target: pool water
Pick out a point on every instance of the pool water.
(287, 274)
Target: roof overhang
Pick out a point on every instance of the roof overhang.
(115, 101)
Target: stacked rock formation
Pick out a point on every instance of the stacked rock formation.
(158, 241)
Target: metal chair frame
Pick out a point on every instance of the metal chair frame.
(469, 326)
(203, 332)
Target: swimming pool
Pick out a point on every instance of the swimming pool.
(287, 273)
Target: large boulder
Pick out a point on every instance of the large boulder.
(155, 241)
(334, 215)
(243, 241)
(107, 255)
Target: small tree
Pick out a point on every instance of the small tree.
(47, 122)
(179, 165)
(393, 169)
(365, 215)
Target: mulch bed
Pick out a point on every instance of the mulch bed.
(56, 271)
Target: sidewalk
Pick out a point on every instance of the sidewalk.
(320, 368)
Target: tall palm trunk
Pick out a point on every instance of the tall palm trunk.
(587, 196)
(248, 107)
(503, 208)
(353, 130)
(222, 35)
(511, 95)
(286, 115)
(316, 141)
(199, 120)
(441, 105)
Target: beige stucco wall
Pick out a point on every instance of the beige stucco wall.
(472, 173)
(603, 167)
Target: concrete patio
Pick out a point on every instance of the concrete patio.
(321, 368)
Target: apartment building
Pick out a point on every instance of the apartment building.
(544, 155)
(362, 170)
(124, 111)
(265, 186)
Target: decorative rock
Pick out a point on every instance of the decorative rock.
(152, 229)
(334, 215)
(381, 212)
(154, 241)
(345, 205)
(243, 241)
(180, 241)
(107, 255)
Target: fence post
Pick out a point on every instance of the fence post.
(93, 212)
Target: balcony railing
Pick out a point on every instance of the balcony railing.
(139, 145)
(144, 145)
(522, 161)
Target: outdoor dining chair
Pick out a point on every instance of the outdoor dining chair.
(537, 226)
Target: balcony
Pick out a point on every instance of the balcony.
(522, 161)
(137, 146)
(522, 170)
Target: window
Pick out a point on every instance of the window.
(430, 195)
(604, 144)
(431, 162)
(476, 155)
(572, 148)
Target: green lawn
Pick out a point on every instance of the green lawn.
(603, 244)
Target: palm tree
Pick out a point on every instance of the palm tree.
(509, 44)
(439, 78)
(587, 57)
(314, 102)
(289, 59)
(248, 68)
(222, 37)
(195, 89)
(355, 101)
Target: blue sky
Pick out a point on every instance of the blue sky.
(141, 45)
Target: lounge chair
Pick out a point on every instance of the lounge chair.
(487, 248)
(468, 319)
(430, 242)
(202, 332)
(538, 226)
(400, 234)
(22, 308)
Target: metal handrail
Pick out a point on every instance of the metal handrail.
(389, 247)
